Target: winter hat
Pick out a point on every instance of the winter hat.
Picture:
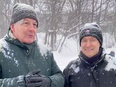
(91, 29)
(21, 11)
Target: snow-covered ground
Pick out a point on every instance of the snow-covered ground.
(70, 50)
(68, 53)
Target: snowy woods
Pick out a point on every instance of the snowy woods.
(62, 19)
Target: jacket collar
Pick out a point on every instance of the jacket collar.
(10, 38)
(93, 60)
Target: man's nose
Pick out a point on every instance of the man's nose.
(88, 43)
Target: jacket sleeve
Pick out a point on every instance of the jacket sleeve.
(67, 73)
(9, 82)
(12, 82)
(66, 76)
(57, 78)
(0, 66)
(0, 71)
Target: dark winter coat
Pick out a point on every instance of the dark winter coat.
(18, 59)
(103, 74)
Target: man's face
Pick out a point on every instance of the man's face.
(25, 30)
(90, 46)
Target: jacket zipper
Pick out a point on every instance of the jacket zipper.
(94, 77)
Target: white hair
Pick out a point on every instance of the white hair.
(20, 21)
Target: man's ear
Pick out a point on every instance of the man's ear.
(12, 27)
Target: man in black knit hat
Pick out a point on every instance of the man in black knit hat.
(23, 61)
(93, 67)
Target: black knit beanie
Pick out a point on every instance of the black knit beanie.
(21, 11)
(91, 29)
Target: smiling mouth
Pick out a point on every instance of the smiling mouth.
(88, 49)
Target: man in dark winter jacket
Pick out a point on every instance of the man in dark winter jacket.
(23, 61)
(92, 68)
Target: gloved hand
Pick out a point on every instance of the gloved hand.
(34, 79)
(35, 72)
(46, 82)
(29, 80)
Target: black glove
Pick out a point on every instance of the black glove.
(46, 82)
(35, 72)
(29, 80)
(34, 79)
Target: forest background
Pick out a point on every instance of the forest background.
(60, 20)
